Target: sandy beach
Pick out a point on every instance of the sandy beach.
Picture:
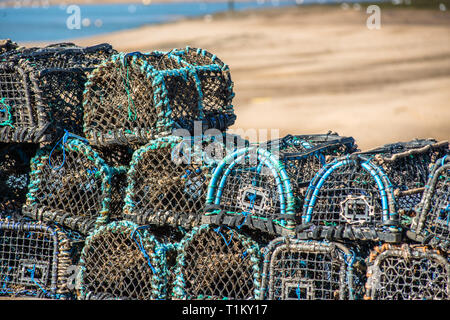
(314, 69)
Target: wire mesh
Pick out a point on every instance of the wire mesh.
(168, 178)
(217, 263)
(432, 224)
(123, 260)
(134, 97)
(69, 184)
(311, 270)
(350, 198)
(250, 188)
(407, 273)
(33, 260)
(41, 90)
(407, 165)
(14, 178)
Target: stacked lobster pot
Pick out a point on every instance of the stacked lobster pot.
(172, 109)
(40, 98)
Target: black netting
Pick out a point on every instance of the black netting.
(131, 98)
(407, 273)
(33, 260)
(41, 90)
(14, 177)
(217, 263)
(121, 261)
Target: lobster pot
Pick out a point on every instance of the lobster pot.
(217, 263)
(311, 270)
(407, 273)
(432, 224)
(251, 187)
(41, 91)
(123, 261)
(132, 98)
(71, 185)
(350, 198)
(407, 165)
(167, 181)
(34, 259)
(304, 155)
(14, 177)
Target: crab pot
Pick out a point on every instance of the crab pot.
(7, 45)
(34, 259)
(304, 155)
(122, 260)
(14, 177)
(133, 98)
(350, 198)
(251, 188)
(69, 184)
(407, 272)
(407, 165)
(41, 91)
(311, 270)
(167, 180)
(217, 263)
(432, 224)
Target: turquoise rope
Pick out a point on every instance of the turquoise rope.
(7, 122)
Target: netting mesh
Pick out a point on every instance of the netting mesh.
(122, 261)
(350, 198)
(407, 166)
(69, 184)
(14, 178)
(433, 221)
(250, 187)
(131, 98)
(33, 260)
(41, 90)
(407, 273)
(300, 270)
(217, 263)
(167, 180)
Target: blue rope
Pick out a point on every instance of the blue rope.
(32, 278)
(63, 142)
(221, 234)
(7, 110)
(141, 246)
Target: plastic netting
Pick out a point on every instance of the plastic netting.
(122, 260)
(14, 177)
(251, 187)
(69, 184)
(407, 165)
(168, 178)
(34, 258)
(407, 273)
(41, 91)
(350, 198)
(432, 224)
(217, 263)
(134, 97)
(311, 270)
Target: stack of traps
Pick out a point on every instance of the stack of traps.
(41, 90)
(263, 187)
(135, 97)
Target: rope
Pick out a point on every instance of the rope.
(7, 109)
(221, 234)
(63, 142)
(141, 246)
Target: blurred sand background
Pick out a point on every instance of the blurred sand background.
(310, 69)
